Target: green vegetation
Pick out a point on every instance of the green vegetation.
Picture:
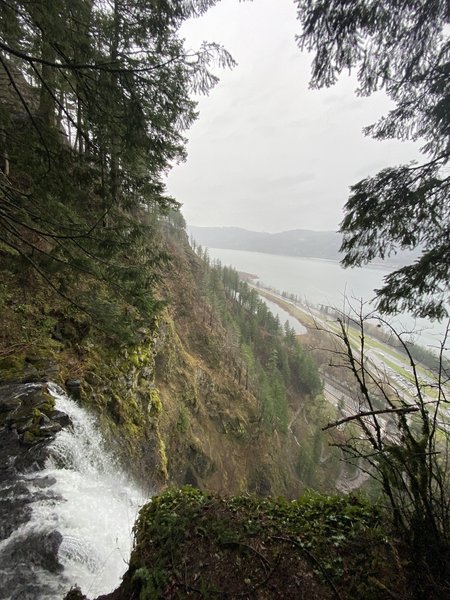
(267, 357)
(402, 440)
(403, 49)
(94, 101)
(316, 547)
(94, 98)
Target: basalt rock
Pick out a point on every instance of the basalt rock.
(58, 416)
(28, 423)
(74, 388)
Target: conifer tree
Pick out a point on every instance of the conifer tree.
(94, 99)
(402, 48)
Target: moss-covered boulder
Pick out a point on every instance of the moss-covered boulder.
(189, 544)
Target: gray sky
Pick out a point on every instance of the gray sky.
(267, 153)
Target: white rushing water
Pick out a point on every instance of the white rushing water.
(89, 501)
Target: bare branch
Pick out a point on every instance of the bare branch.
(371, 413)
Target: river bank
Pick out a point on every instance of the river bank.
(390, 365)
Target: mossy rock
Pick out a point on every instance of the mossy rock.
(163, 459)
(192, 544)
(183, 420)
(155, 405)
(189, 396)
(114, 408)
(29, 438)
(234, 426)
(15, 369)
(200, 461)
(22, 368)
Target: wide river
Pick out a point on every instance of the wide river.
(323, 282)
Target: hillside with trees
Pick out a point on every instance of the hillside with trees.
(95, 99)
(191, 379)
(298, 242)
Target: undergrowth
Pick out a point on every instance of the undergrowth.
(190, 544)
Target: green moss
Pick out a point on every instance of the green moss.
(12, 367)
(48, 406)
(134, 359)
(183, 420)
(187, 540)
(234, 427)
(148, 582)
(140, 356)
(189, 396)
(163, 458)
(155, 406)
(29, 437)
(36, 414)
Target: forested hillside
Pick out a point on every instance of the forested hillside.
(213, 370)
(99, 287)
(299, 242)
(94, 99)
(179, 364)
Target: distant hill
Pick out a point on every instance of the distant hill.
(297, 242)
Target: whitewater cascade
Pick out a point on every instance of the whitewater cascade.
(82, 511)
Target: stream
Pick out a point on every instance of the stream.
(74, 516)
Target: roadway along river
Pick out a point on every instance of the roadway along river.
(323, 282)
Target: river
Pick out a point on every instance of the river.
(285, 317)
(318, 281)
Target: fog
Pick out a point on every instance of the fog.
(267, 153)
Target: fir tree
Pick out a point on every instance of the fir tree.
(402, 48)
(94, 101)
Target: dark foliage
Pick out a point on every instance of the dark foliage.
(94, 98)
(402, 48)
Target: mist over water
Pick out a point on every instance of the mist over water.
(318, 281)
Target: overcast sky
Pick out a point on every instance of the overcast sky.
(267, 153)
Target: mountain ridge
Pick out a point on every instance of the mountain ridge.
(295, 242)
(304, 243)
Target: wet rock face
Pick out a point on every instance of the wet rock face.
(20, 561)
(24, 424)
(26, 369)
(28, 423)
(74, 388)
(26, 429)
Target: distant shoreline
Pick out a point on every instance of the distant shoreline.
(247, 276)
(376, 265)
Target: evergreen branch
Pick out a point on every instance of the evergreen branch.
(105, 66)
(27, 110)
(48, 234)
(51, 284)
(59, 104)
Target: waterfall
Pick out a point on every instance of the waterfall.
(81, 511)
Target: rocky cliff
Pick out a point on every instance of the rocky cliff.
(171, 403)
